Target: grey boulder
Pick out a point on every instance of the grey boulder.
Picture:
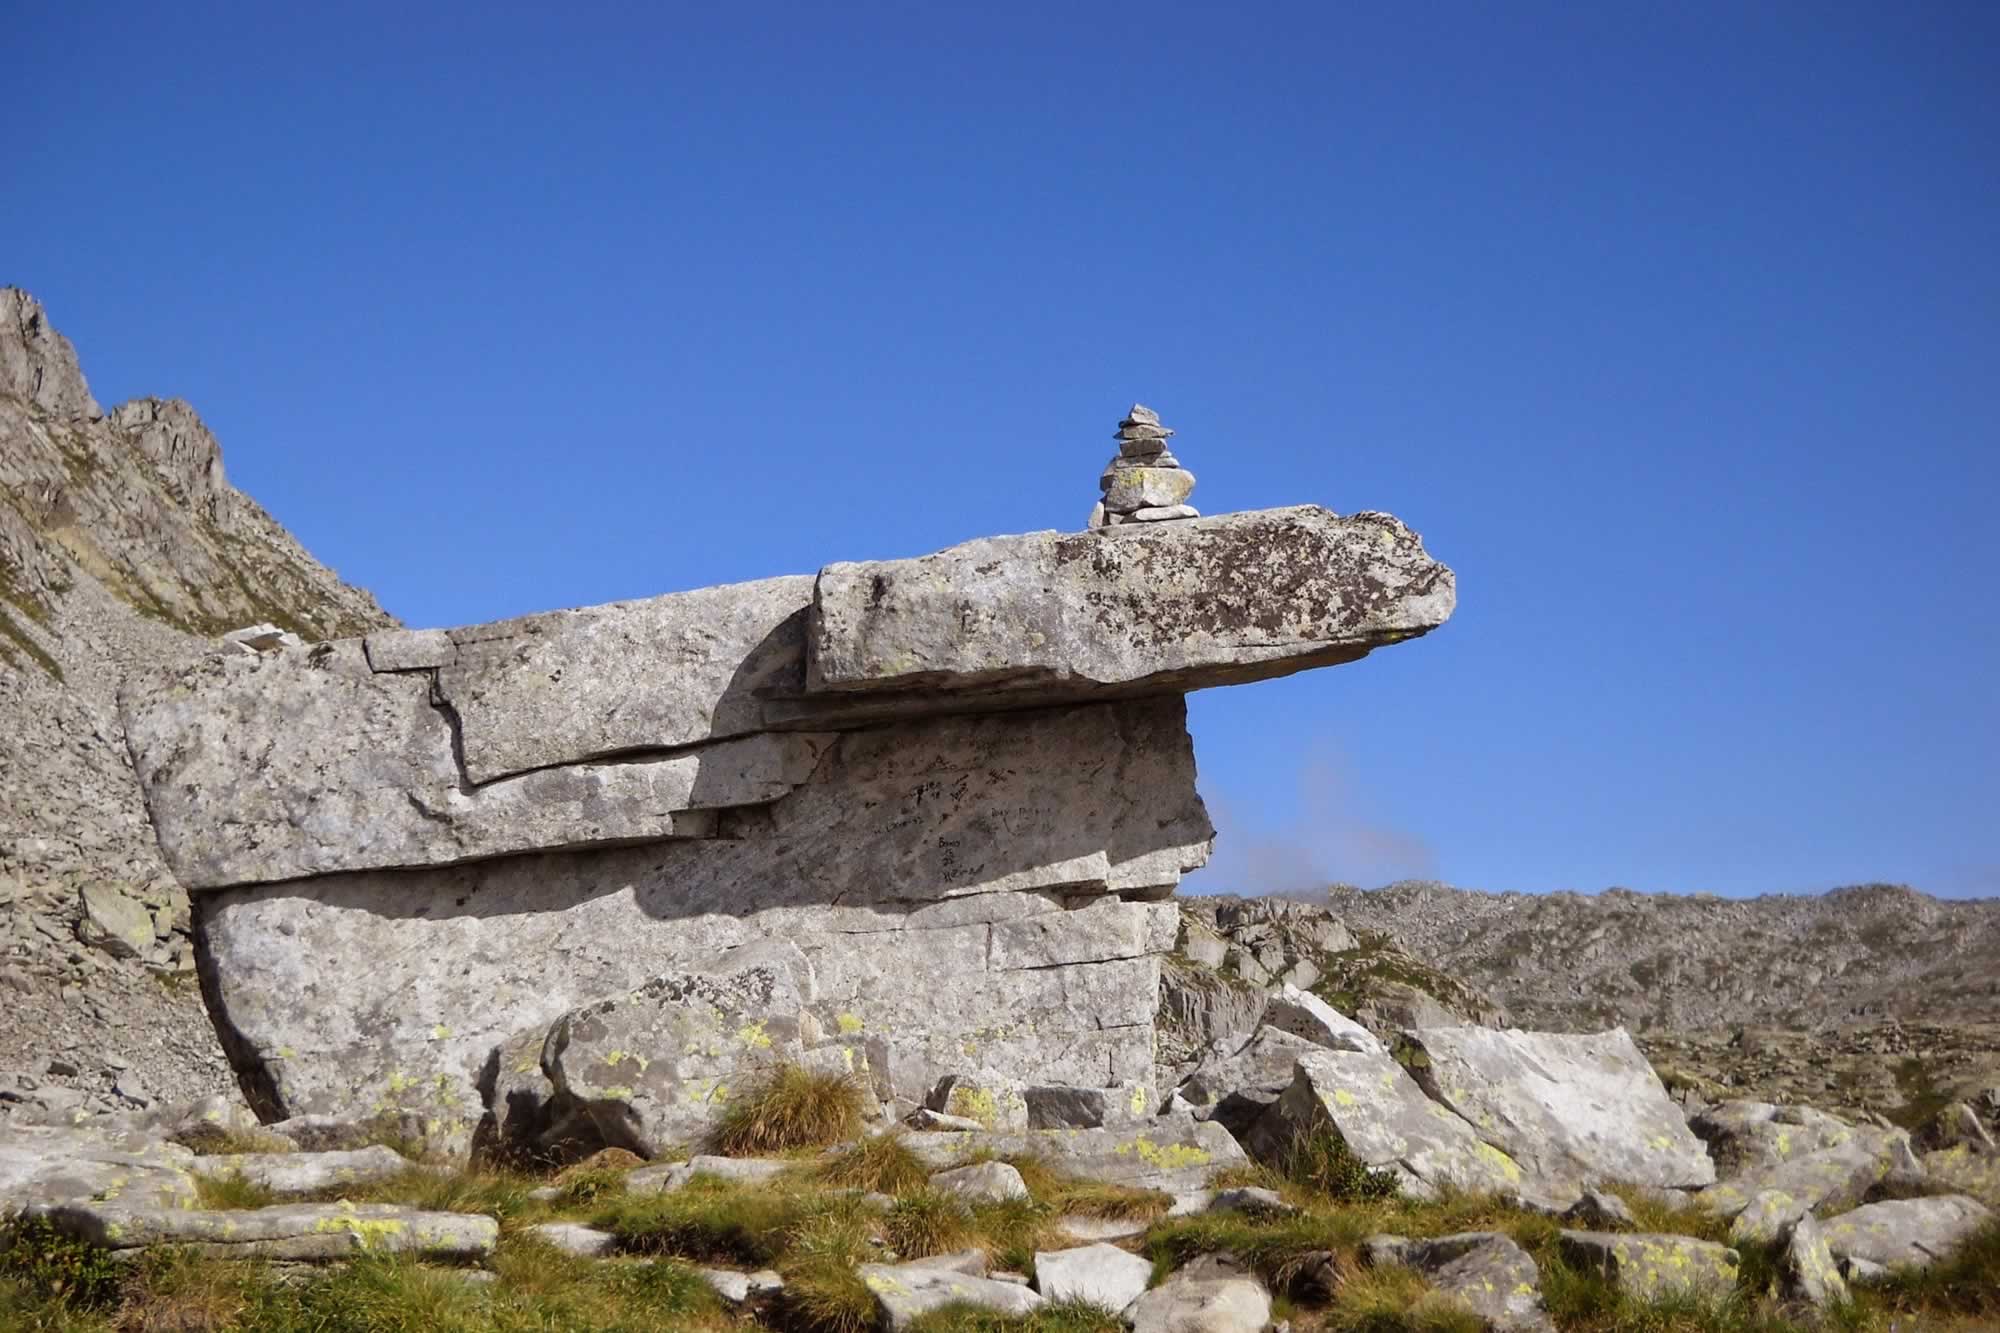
(1573, 1110)
(904, 1292)
(1483, 1272)
(1653, 1267)
(652, 1068)
(1905, 1233)
(1387, 1123)
(1209, 1295)
(983, 1182)
(62, 1164)
(1101, 1275)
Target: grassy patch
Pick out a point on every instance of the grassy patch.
(926, 1221)
(1395, 1300)
(206, 1140)
(1966, 1285)
(44, 1265)
(1058, 1317)
(883, 1163)
(791, 1108)
(232, 1191)
(1321, 1162)
(710, 1220)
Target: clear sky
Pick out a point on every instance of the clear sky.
(1675, 329)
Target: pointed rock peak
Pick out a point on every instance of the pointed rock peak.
(1141, 415)
(37, 364)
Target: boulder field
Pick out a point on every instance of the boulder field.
(912, 819)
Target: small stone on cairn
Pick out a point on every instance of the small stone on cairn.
(1143, 483)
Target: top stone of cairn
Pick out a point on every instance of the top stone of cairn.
(1143, 483)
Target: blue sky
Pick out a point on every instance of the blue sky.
(1674, 329)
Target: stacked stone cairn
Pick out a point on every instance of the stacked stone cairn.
(1144, 482)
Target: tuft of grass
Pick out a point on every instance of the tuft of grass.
(584, 1188)
(544, 1288)
(1394, 1299)
(791, 1108)
(1321, 1162)
(707, 1219)
(177, 1291)
(204, 1140)
(823, 1293)
(232, 1191)
(924, 1222)
(1056, 1317)
(501, 1195)
(1011, 1230)
(883, 1163)
(375, 1293)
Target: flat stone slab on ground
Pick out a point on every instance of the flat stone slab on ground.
(575, 1238)
(1652, 1266)
(1207, 1296)
(983, 1182)
(59, 1164)
(905, 1291)
(294, 1173)
(1170, 1153)
(1103, 1275)
(668, 1176)
(307, 1231)
(739, 1289)
(1899, 1233)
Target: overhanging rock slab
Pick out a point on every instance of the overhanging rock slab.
(1212, 601)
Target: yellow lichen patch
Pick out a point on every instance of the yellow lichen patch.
(1499, 1159)
(753, 1036)
(399, 1082)
(849, 1024)
(1139, 1099)
(1342, 1097)
(440, 1032)
(1165, 1156)
(973, 1104)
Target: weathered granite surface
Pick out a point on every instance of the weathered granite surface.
(910, 869)
(1211, 601)
(326, 766)
(1573, 1109)
(517, 875)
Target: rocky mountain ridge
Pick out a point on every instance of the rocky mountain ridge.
(1865, 955)
(121, 544)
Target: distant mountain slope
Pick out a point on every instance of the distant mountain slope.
(120, 543)
(1664, 961)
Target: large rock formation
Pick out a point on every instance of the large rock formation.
(121, 543)
(498, 873)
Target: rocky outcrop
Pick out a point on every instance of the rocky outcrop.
(528, 874)
(1234, 955)
(1694, 962)
(121, 543)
